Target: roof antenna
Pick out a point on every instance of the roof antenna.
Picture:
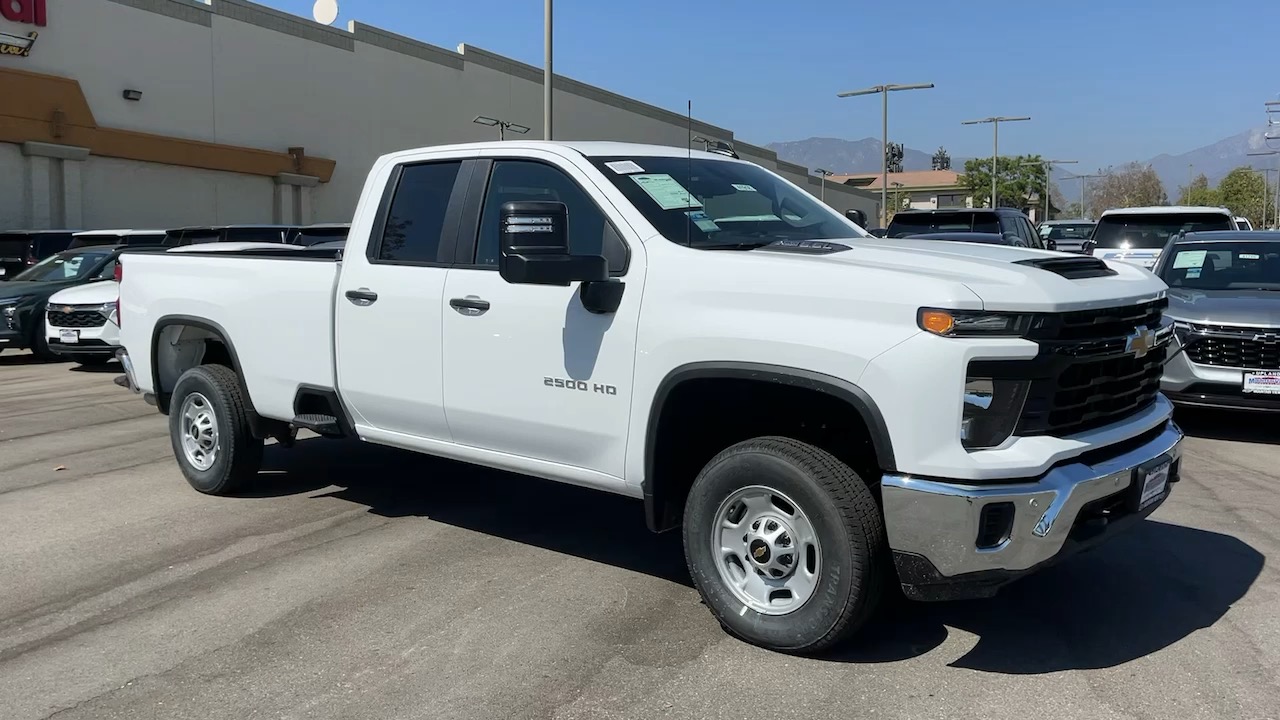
(688, 242)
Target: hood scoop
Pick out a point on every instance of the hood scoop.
(1071, 268)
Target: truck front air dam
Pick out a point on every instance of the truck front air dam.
(954, 540)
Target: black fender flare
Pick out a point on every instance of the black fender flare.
(843, 390)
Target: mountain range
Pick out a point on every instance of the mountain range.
(863, 156)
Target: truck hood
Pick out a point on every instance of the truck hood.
(1004, 277)
(95, 293)
(1256, 308)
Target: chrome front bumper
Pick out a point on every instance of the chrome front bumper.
(933, 526)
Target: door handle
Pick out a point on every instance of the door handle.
(470, 305)
(362, 296)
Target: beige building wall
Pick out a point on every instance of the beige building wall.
(236, 73)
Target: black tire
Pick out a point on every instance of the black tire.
(40, 348)
(845, 518)
(239, 453)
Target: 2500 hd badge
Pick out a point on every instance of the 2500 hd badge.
(581, 385)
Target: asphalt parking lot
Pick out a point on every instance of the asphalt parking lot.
(360, 582)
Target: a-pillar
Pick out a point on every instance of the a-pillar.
(53, 188)
(293, 198)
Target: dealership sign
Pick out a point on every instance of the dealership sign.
(28, 12)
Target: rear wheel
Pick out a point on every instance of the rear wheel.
(785, 544)
(209, 431)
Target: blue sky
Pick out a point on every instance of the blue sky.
(1105, 82)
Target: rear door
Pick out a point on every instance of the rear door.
(390, 300)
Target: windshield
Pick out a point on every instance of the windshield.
(717, 203)
(65, 266)
(904, 224)
(1224, 266)
(1149, 231)
(1081, 231)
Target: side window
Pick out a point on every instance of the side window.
(1029, 234)
(108, 271)
(514, 180)
(415, 220)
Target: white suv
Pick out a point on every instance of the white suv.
(1137, 235)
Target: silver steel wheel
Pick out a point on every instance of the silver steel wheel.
(766, 550)
(199, 431)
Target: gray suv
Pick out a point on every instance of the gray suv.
(1224, 298)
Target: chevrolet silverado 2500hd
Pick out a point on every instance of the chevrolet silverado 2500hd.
(818, 411)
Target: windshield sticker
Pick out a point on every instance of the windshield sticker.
(666, 191)
(743, 188)
(1190, 259)
(1249, 256)
(1193, 273)
(624, 167)
(704, 223)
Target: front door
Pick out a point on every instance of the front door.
(528, 370)
(389, 302)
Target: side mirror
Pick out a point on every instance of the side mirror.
(534, 247)
(1088, 246)
(857, 216)
(1052, 245)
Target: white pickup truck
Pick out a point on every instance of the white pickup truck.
(820, 412)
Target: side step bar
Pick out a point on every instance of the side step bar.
(326, 425)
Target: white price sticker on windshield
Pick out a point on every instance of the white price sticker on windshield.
(742, 187)
(1189, 259)
(666, 191)
(624, 167)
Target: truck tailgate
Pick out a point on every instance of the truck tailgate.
(275, 312)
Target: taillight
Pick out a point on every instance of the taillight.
(118, 273)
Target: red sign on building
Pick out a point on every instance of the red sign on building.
(31, 12)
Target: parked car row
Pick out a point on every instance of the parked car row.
(59, 294)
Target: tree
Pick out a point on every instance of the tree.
(1072, 210)
(1133, 185)
(1244, 192)
(1199, 193)
(1019, 180)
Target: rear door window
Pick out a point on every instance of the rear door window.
(415, 220)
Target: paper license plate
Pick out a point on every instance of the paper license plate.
(1153, 482)
(1262, 383)
(69, 337)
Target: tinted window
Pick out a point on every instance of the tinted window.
(416, 219)
(311, 236)
(1029, 233)
(198, 237)
(1081, 231)
(904, 224)
(1154, 230)
(47, 245)
(515, 180)
(1223, 266)
(145, 239)
(69, 265)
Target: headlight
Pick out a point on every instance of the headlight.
(992, 407)
(972, 323)
(110, 312)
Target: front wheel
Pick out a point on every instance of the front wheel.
(785, 544)
(209, 431)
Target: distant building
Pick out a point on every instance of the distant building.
(915, 189)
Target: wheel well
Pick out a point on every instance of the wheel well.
(700, 417)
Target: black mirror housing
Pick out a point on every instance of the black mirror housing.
(534, 247)
(857, 216)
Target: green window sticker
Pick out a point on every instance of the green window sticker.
(1190, 259)
(666, 191)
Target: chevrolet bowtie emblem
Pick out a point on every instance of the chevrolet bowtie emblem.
(759, 552)
(67, 309)
(1140, 342)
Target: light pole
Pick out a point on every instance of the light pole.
(1276, 219)
(502, 125)
(824, 174)
(884, 91)
(995, 144)
(1048, 168)
(547, 74)
(1084, 179)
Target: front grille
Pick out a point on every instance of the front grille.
(1083, 377)
(76, 319)
(1233, 352)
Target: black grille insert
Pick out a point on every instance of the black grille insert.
(76, 319)
(1237, 352)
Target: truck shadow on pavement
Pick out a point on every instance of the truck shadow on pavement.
(1143, 591)
(1229, 426)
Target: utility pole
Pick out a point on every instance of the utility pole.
(1276, 207)
(1048, 168)
(824, 175)
(1084, 179)
(884, 91)
(547, 73)
(995, 145)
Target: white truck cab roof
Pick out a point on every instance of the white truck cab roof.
(1166, 210)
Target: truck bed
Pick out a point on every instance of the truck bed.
(276, 303)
